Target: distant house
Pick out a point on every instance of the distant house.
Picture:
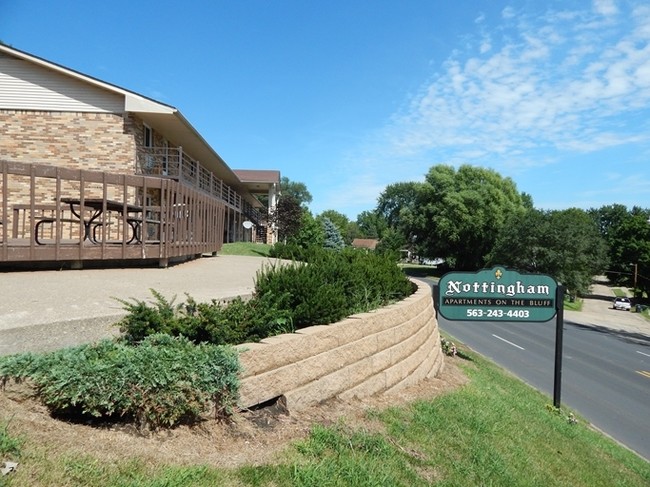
(365, 243)
(51, 115)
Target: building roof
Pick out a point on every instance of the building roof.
(259, 181)
(165, 119)
(258, 176)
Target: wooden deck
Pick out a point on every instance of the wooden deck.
(57, 214)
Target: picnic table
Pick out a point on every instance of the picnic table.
(97, 206)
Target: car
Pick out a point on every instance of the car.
(622, 303)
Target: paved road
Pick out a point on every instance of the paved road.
(606, 363)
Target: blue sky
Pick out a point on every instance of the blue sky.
(350, 96)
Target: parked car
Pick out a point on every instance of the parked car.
(622, 303)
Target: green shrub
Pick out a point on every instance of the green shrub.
(325, 288)
(218, 323)
(143, 320)
(332, 285)
(161, 382)
(292, 251)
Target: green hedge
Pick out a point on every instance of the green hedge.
(332, 285)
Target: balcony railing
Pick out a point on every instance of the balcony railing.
(173, 163)
(51, 213)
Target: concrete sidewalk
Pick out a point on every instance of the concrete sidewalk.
(45, 310)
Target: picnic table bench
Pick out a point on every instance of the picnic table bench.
(94, 222)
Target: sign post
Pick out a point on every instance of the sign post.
(559, 332)
(501, 294)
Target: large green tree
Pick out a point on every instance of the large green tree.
(371, 224)
(565, 244)
(458, 214)
(296, 190)
(399, 205)
(627, 234)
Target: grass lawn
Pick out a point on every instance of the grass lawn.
(246, 248)
(573, 306)
(495, 431)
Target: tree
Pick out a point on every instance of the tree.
(351, 232)
(310, 232)
(628, 237)
(565, 244)
(399, 204)
(392, 242)
(371, 224)
(296, 190)
(348, 230)
(609, 218)
(333, 239)
(287, 217)
(457, 215)
(339, 219)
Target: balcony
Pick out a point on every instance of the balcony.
(172, 162)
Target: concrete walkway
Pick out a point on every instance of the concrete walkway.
(45, 310)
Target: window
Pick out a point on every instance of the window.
(147, 136)
(165, 158)
(147, 142)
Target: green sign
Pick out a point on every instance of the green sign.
(496, 294)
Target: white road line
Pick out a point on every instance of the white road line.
(509, 343)
(643, 353)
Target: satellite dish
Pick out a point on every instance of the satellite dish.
(247, 225)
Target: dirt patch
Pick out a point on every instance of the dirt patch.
(250, 437)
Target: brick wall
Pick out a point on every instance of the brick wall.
(93, 141)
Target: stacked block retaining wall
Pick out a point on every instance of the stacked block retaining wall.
(380, 351)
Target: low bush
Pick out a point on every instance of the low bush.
(161, 382)
(218, 323)
(326, 288)
(172, 362)
(295, 252)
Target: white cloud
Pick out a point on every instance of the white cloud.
(560, 81)
(508, 13)
(526, 94)
(486, 45)
(605, 7)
